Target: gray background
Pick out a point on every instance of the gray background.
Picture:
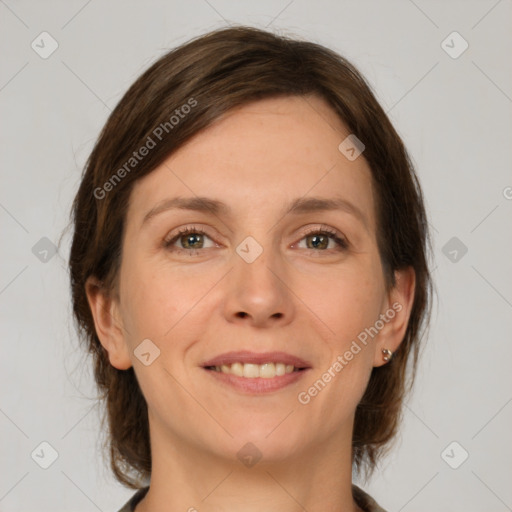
(454, 115)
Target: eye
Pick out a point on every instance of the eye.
(324, 239)
(189, 239)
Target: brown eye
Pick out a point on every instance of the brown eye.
(324, 240)
(317, 241)
(192, 241)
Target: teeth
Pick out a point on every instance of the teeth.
(280, 369)
(252, 371)
(236, 369)
(267, 371)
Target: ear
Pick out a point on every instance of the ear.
(396, 313)
(109, 328)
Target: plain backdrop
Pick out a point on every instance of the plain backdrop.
(451, 106)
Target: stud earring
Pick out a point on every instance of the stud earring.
(386, 354)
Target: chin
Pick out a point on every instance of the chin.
(272, 437)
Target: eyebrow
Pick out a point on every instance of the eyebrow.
(298, 206)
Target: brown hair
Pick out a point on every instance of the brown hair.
(212, 74)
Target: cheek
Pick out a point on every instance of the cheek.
(347, 301)
(150, 301)
(159, 300)
(351, 305)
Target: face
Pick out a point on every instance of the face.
(272, 278)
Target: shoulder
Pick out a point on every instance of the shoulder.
(132, 502)
(364, 500)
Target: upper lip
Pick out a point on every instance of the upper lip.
(245, 356)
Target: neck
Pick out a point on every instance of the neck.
(186, 477)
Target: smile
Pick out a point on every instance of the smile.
(254, 371)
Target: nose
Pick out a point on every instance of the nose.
(259, 293)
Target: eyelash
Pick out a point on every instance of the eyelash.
(331, 233)
(324, 230)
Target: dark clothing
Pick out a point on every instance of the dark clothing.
(363, 500)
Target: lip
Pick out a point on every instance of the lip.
(245, 356)
(257, 385)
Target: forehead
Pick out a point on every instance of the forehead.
(260, 156)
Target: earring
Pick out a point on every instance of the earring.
(386, 354)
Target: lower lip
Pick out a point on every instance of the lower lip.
(258, 385)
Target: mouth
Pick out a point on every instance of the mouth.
(256, 373)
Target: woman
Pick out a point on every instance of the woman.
(249, 273)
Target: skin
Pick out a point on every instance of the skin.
(296, 297)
